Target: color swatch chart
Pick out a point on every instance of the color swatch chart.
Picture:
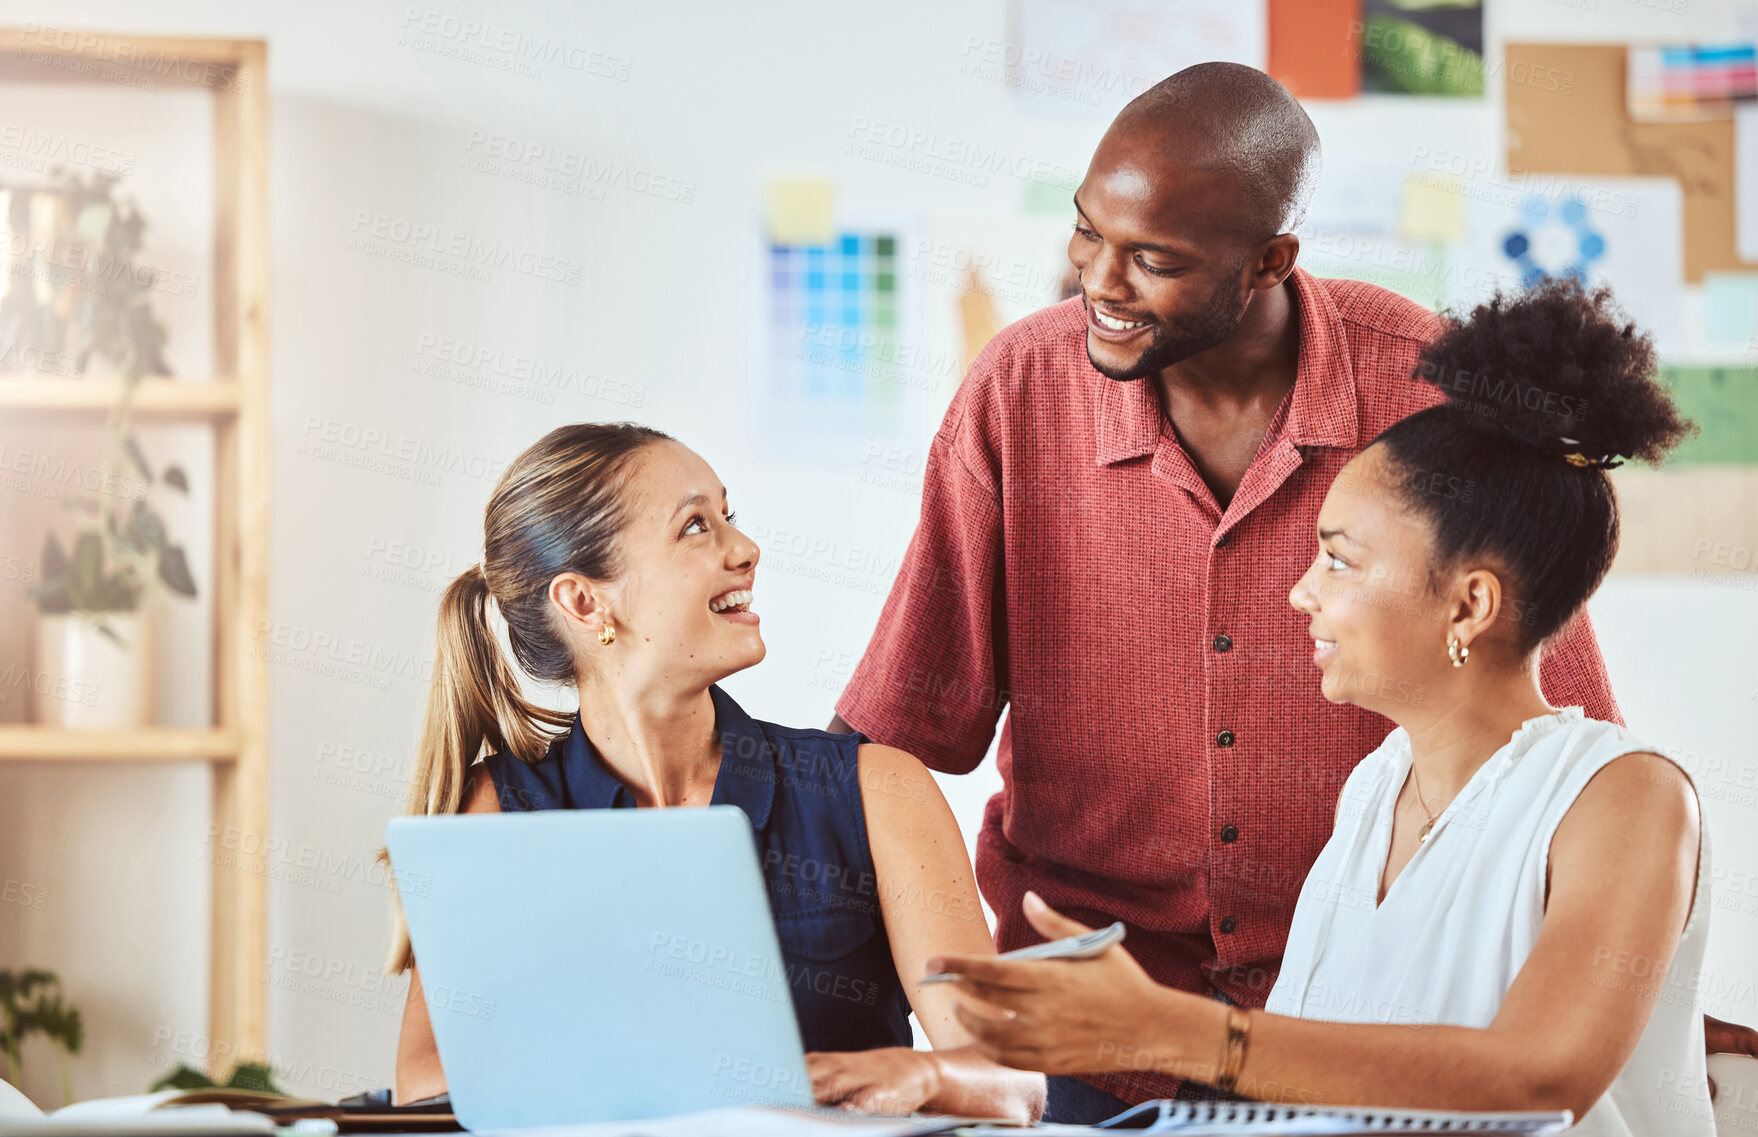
(835, 366)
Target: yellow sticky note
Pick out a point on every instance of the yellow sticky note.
(801, 210)
(1434, 208)
(976, 310)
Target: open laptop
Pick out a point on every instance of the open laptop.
(598, 965)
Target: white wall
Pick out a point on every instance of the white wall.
(716, 94)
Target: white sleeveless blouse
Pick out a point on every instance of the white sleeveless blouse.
(1458, 923)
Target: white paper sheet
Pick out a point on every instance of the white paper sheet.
(14, 1106)
(1746, 180)
(170, 1121)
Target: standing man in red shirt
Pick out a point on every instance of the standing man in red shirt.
(1121, 494)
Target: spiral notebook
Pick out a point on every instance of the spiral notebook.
(1199, 1119)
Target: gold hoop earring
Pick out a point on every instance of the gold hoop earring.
(607, 635)
(1457, 652)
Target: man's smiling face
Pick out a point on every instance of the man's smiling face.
(1163, 249)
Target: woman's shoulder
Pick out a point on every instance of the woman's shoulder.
(1612, 784)
(519, 784)
(808, 734)
(811, 748)
(1576, 749)
(849, 763)
(1611, 768)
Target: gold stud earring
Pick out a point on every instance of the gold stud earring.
(607, 635)
(1457, 652)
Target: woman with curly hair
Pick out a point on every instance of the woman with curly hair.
(1511, 911)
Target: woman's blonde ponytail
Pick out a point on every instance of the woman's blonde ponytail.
(473, 702)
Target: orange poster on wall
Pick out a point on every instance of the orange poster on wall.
(1314, 47)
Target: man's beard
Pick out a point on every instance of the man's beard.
(1168, 345)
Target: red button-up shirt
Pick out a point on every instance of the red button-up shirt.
(1167, 757)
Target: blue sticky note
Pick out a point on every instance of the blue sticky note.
(1730, 307)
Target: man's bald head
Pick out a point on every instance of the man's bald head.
(1236, 120)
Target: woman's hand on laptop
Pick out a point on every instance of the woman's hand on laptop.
(892, 1080)
(1079, 1016)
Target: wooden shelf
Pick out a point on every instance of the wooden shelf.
(46, 54)
(142, 744)
(233, 74)
(153, 398)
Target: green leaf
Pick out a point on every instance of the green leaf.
(52, 597)
(32, 1003)
(59, 1022)
(174, 571)
(52, 592)
(118, 593)
(182, 1078)
(146, 530)
(88, 568)
(253, 1076)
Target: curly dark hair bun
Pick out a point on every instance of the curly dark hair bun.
(1545, 389)
(1561, 367)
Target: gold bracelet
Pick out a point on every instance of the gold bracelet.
(1238, 1027)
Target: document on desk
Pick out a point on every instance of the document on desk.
(174, 1121)
(760, 1121)
(1212, 1119)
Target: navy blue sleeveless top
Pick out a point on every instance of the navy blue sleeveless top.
(801, 790)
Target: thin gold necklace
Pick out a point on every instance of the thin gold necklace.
(1416, 778)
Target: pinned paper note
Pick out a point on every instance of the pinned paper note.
(1415, 48)
(1689, 83)
(1433, 209)
(800, 210)
(837, 363)
(1723, 402)
(1314, 47)
(1746, 181)
(977, 316)
(1730, 308)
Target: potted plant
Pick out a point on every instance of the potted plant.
(95, 636)
(95, 641)
(31, 1003)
